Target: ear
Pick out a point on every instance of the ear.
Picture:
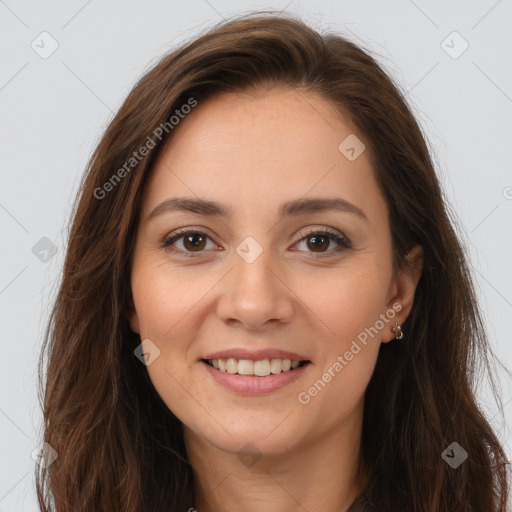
(403, 288)
(133, 318)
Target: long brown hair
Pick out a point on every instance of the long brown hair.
(119, 447)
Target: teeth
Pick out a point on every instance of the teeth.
(275, 366)
(261, 368)
(245, 366)
(231, 365)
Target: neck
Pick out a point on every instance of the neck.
(319, 475)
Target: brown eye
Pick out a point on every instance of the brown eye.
(318, 243)
(187, 242)
(194, 241)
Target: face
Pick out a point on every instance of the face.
(286, 260)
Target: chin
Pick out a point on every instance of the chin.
(257, 437)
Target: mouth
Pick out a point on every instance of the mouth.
(250, 368)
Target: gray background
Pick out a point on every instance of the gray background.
(53, 111)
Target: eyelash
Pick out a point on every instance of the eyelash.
(344, 242)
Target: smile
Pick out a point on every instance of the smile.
(261, 368)
(254, 377)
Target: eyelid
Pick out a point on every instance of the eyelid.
(167, 241)
(337, 236)
(325, 231)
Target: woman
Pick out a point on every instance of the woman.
(264, 302)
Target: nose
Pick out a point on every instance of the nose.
(256, 295)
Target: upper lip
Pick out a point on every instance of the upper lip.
(255, 355)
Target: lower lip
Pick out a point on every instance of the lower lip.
(249, 385)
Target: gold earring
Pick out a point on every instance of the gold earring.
(397, 329)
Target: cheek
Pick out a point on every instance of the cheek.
(334, 309)
(167, 302)
(350, 308)
(164, 298)
(350, 301)
(337, 307)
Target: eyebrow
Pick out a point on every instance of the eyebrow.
(290, 208)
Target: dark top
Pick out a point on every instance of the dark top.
(363, 504)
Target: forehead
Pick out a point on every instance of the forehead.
(275, 124)
(248, 148)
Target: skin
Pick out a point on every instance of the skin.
(251, 152)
